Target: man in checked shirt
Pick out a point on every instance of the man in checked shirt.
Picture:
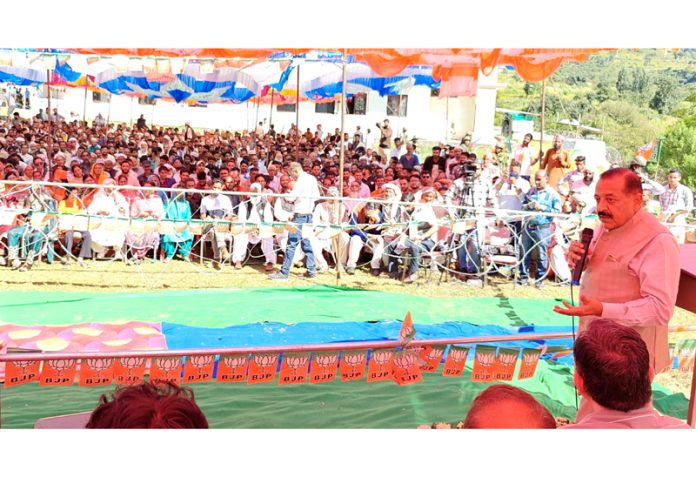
(676, 202)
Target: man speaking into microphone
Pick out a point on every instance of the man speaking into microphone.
(632, 271)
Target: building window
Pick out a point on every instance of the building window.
(57, 92)
(100, 97)
(397, 105)
(146, 100)
(286, 108)
(357, 104)
(327, 108)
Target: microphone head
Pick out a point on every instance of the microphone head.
(587, 234)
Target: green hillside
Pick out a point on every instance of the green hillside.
(633, 96)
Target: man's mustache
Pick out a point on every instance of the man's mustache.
(604, 214)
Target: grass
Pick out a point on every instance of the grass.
(110, 276)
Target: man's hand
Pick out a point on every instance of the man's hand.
(588, 306)
(575, 252)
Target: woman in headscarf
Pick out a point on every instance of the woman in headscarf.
(148, 207)
(97, 171)
(178, 209)
(72, 205)
(108, 202)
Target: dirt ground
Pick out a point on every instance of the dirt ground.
(111, 276)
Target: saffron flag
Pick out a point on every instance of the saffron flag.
(232, 368)
(484, 363)
(406, 368)
(96, 372)
(199, 369)
(407, 332)
(456, 359)
(262, 368)
(21, 372)
(530, 359)
(58, 372)
(353, 364)
(648, 151)
(430, 357)
(324, 366)
(381, 365)
(129, 370)
(166, 368)
(294, 368)
(505, 363)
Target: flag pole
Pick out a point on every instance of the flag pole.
(84, 104)
(659, 155)
(270, 116)
(49, 153)
(543, 117)
(297, 102)
(341, 160)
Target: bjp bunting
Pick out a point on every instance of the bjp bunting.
(403, 364)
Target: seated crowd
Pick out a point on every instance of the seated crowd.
(384, 190)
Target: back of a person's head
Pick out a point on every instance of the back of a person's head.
(148, 406)
(614, 364)
(502, 406)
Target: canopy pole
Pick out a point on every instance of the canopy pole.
(108, 111)
(258, 104)
(297, 102)
(152, 114)
(84, 104)
(270, 115)
(447, 120)
(49, 153)
(341, 160)
(543, 117)
(131, 122)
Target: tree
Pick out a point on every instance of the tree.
(666, 95)
(624, 81)
(679, 150)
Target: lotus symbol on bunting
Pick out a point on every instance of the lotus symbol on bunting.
(201, 361)
(530, 358)
(168, 364)
(295, 362)
(265, 360)
(406, 332)
(404, 361)
(354, 360)
(507, 359)
(326, 360)
(486, 359)
(23, 364)
(61, 365)
(457, 354)
(435, 353)
(234, 361)
(132, 363)
(381, 358)
(99, 365)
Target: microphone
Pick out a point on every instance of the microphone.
(580, 263)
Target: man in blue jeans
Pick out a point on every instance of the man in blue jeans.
(537, 229)
(303, 195)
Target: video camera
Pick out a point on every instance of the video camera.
(468, 171)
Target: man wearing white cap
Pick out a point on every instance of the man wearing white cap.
(255, 211)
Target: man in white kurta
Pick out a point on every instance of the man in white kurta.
(632, 273)
(254, 212)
